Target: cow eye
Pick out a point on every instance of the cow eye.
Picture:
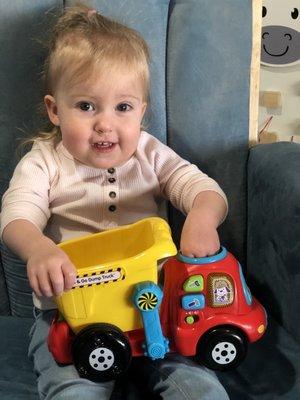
(295, 13)
(264, 11)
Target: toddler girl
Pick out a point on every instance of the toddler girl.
(95, 170)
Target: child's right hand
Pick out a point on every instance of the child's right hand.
(49, 270)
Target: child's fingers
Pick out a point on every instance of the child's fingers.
(57, 280)
(34, 283)
(199, 250)
(45, 283)
(69, 273)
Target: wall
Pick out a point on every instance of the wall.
(280, 71)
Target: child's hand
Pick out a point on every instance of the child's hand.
(199, 237)
(50, 271)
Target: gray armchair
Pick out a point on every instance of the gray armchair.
(201, 53)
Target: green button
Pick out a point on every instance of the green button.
(189, 319)
(193, 284)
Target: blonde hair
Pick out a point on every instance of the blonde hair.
(83, 43)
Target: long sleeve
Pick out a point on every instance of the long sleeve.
(28, 194)
(179, 180)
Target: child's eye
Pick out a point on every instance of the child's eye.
(124, 107)
(85, 106)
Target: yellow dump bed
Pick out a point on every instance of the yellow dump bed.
(109, 264)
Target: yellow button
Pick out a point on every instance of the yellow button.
(261, 328)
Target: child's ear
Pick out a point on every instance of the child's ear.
(51, 109)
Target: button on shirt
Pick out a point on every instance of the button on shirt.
(112, 193)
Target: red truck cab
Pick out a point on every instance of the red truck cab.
(208, 311)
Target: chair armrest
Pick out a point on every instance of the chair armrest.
(4, 303)
(18, 290)
(273, 254)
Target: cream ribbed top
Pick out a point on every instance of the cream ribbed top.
(67, 199)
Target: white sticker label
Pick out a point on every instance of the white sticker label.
(96, 279)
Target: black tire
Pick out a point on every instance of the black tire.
(101, 352)
(222, 349)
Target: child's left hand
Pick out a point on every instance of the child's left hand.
(199, 237)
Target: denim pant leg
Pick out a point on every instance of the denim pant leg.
(178, 378)
(59, 382)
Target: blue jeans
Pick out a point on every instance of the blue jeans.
(174, 378)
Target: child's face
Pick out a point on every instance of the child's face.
(100, 119)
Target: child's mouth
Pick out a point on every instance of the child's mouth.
(103, 146)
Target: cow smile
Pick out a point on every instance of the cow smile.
(276, 55)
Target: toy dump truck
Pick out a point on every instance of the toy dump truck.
(116, 309)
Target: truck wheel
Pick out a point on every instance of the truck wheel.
(101, 352)
(222, 349)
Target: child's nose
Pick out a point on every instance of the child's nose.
(103, 124)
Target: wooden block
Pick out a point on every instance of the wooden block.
(268, 137)
(271, 99)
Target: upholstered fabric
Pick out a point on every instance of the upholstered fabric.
(19, 291)
(22, 25)
(274, 230)
(270, 371)
(208, 70)
(17, 378)
(4, 303)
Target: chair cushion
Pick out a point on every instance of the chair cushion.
(17, 379)
(274, 230)
(19, 291)
(270, 371)
(4, 303)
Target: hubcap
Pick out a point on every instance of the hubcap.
(101, 359)
(224, 353)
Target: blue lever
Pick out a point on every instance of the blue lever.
(147, 298)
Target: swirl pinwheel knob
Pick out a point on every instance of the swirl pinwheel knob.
(147, 301)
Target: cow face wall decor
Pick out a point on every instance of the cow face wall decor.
(280, 32)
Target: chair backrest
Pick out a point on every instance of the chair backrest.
(21, 25)
(200, 74)
(208, 85)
